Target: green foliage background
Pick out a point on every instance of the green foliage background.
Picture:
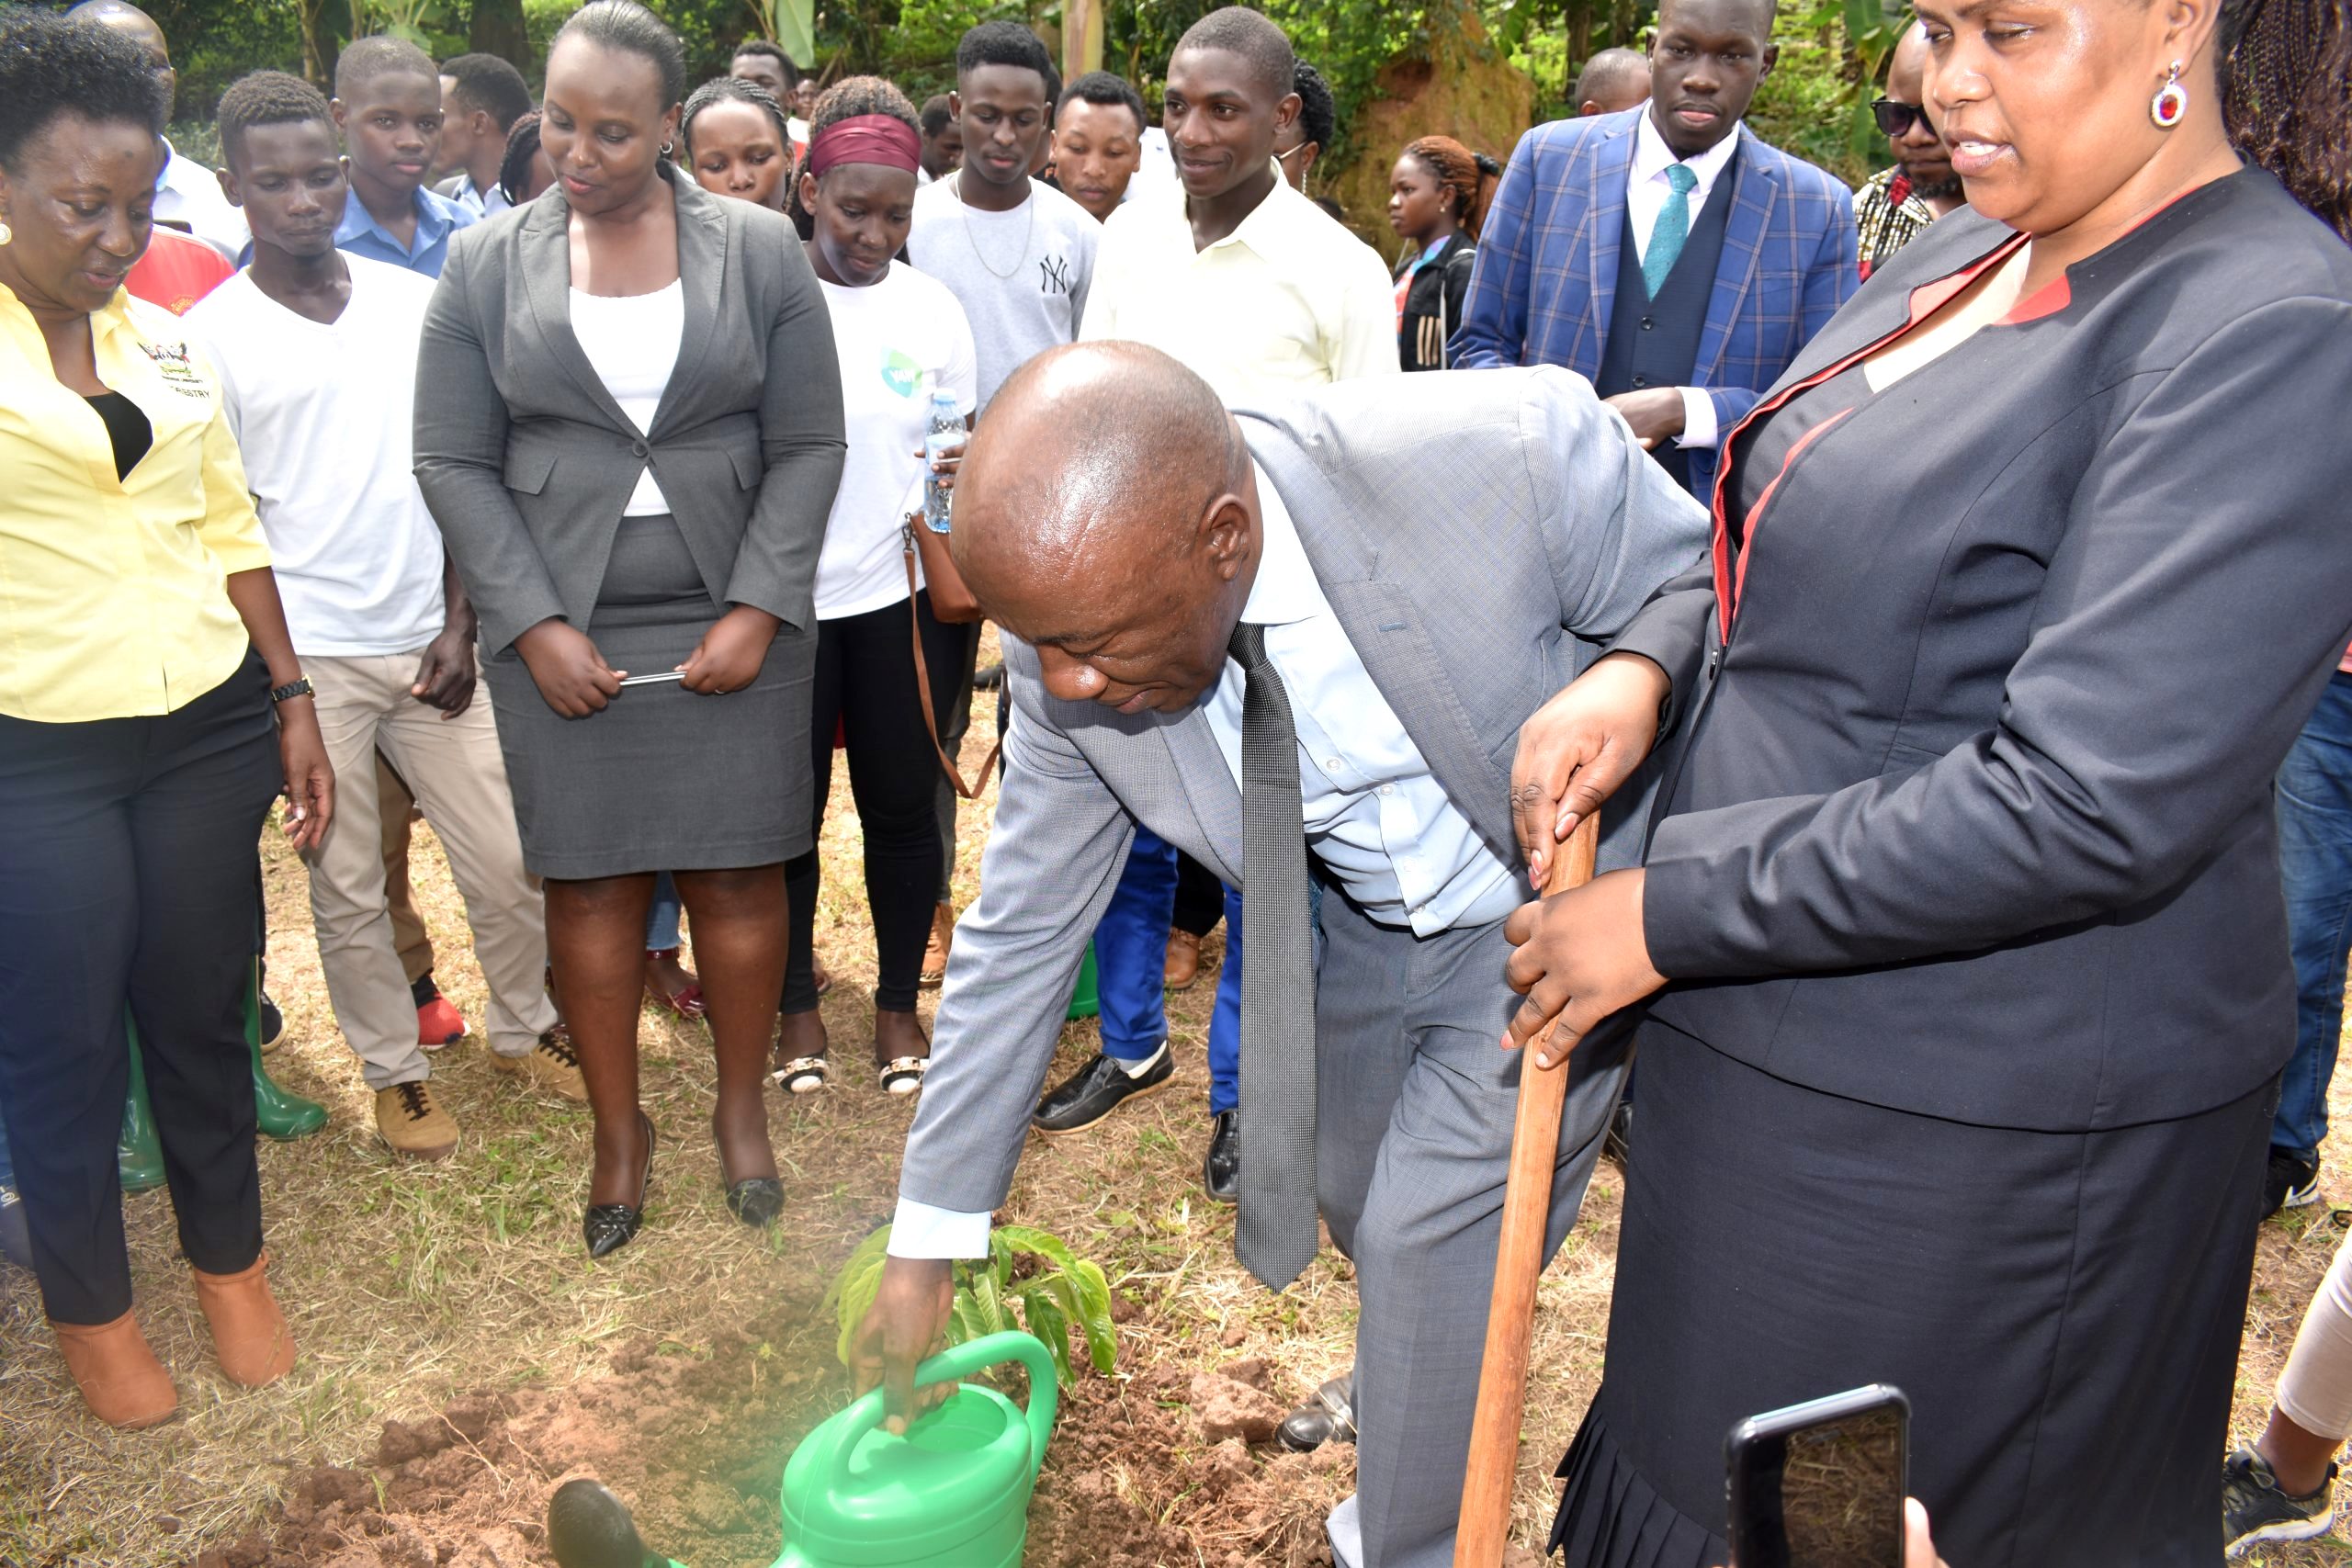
(1815, 105)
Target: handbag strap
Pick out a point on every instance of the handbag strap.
(923, 683)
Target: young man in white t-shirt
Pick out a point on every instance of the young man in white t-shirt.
(317, 349)
(1018, 255)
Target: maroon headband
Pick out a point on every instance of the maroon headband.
(865, 139)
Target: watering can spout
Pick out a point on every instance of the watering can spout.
(588, 1527)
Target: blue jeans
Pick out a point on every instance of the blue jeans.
(1131, 951)
(661, 917)
(1225, 1023)
(2316, 859)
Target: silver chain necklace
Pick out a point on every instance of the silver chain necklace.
(1030, 200)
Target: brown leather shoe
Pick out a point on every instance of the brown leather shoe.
(119, 1377)
(553, 1063)
(1183, 959)
(411, 1119)
(249, 1334)
(934, 953)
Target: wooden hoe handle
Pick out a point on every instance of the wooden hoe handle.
(1518, 1260)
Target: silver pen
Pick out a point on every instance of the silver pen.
(652, 680)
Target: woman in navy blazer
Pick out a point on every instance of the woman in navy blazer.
(1964, 886)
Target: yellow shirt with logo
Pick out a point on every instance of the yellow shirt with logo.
(113, 600)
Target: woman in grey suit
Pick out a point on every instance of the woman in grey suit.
(629, 429)
(1963, 888)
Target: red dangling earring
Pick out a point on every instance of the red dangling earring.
(2171, 101)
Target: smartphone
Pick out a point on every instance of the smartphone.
(1821, 1485)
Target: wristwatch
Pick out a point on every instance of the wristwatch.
(301, 687)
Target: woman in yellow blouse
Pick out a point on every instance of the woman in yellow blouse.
(141, 649)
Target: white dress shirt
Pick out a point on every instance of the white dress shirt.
(1647, 190)
(1375, 815)
(187, 194)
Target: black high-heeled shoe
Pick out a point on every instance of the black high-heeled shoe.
(611, 1226)
(755, 1199)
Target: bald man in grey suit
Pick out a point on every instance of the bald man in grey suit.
(1409, 569)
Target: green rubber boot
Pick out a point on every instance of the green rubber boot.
(281, 1115)
(140, 1153)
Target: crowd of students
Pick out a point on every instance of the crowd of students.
(550, 467)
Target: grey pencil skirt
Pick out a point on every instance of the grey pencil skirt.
(662, 779)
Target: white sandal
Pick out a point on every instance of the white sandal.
(803, 1074)
(903, 1075)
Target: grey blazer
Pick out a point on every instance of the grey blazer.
(1974, 816)
(527, 461)
(1472, 531)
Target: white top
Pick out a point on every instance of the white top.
(632, 340)
(1289, 299)
(1646, 189)
(1375, 815)
(324, 414)
(1022, 276)
(898, 342)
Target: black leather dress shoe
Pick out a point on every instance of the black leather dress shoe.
(755, 1199)
(611, 1226)
(1329, 1417)
(1221, 1168)
(1620, 1133)
(589, 1528)
(1095, 1090)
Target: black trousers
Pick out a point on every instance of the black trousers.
(1200, 897)
(865, 689)
(127, 879)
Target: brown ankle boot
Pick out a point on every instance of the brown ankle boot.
(119, 1377)
(249, 1334)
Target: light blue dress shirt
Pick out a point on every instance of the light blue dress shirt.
(1375, 815)
(437, 218)
(481, 203)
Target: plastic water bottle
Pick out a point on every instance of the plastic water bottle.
(947, 430)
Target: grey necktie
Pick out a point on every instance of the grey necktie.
(1275, 1237)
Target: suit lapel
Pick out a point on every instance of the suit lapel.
(702, 274)
(1605, 217)
(1209, 791)
(1383, 624)
(546, 245)
(1754, 192)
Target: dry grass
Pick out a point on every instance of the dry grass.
(409, 1285)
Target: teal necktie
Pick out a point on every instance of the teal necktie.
(1673, 229)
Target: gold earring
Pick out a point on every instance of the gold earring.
(2171, 101)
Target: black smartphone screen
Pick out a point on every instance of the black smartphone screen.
(1820, 1490)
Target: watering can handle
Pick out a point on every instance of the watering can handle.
(961, 1361)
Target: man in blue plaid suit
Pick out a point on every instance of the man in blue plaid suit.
(1665, 253)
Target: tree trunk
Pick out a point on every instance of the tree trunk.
(498, 30)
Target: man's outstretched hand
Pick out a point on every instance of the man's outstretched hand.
(1577, 748)
(906, 1323)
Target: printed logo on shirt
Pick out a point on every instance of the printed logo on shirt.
(178, 369)
(1057, 279)
(901, 374)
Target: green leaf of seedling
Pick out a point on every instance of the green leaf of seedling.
(1046, 1323)
(852, 1293)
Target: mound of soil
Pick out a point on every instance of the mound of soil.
(1151, 1466)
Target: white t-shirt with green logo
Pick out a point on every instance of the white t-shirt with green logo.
(898, 341)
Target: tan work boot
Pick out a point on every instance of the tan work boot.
(249, 1334)
(413, 1122)
(1183, 959)
(553, 1063)
(934, 953)
(119, 1377)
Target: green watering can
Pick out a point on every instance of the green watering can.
(952, 1493)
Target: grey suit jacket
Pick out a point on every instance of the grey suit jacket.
(1473, 532)
(527, 461)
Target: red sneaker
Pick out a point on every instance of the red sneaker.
(439, 1023)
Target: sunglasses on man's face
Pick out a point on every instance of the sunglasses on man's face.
(1896, 117)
